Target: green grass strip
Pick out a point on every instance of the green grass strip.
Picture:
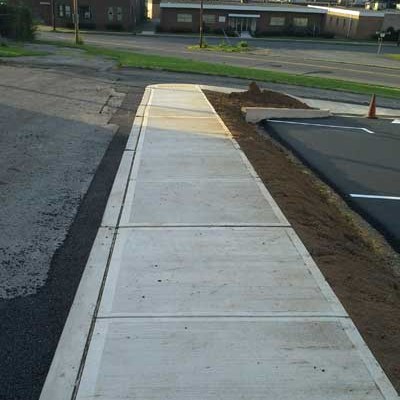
(394, 56)
(18, 51)
(176, 64)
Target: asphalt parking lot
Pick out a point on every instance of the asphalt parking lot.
(358, 157)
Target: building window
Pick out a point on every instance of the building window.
(84, 13)
(277, 21)
(119, 14)
(68, 11)
(221, 18)
(61, 10)
(110, 14)
(209, 18)
(184, 17)
(300, 22)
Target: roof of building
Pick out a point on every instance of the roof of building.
(237, 6)
(357, 12)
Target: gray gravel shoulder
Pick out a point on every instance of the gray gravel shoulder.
(57, 164)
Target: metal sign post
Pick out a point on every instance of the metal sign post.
(381, 36)
(76, 21)
(53, 14)
(201, 42)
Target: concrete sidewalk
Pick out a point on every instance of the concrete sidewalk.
(197, 287)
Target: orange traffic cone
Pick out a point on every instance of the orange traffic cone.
(372, 108)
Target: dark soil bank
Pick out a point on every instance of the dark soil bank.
(356, 261)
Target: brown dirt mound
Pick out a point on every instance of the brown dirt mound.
(255, 97)
(359, 265)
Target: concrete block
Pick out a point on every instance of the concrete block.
(257, 114)
(225, 358)
(211, 271)
(202, 202)
(183, 166)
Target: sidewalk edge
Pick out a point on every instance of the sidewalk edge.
(64, 374)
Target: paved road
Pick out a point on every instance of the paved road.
(359, 157)
(343, 61)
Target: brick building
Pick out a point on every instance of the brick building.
(93, 14)
(255, 18)
(273, 19)
(353, 23)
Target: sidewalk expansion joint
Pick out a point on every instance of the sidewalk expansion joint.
(271, 316)
(272, 225)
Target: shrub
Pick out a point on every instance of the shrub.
(86, 25)
(16, 22)
(115, 27)
(243, 44)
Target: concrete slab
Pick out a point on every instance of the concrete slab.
(178, 103)
(200, 203)
(204, 127)
(225, 358)
(171, 112)
(168, 142)
(211, 271)
(178, 166)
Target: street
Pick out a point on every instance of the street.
(358, 157)
(353, 62)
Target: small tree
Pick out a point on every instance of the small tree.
(16, 22)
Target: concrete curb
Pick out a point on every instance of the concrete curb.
(65, 370)
(257, 114)
(65, 367)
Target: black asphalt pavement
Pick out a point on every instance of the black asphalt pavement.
(358, 157)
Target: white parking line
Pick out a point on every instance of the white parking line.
(396, 121)
(371, 196)
(323, 125)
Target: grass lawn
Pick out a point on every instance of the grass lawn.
(394, 56)
(18, 51)
(242, 46)
(176, 64)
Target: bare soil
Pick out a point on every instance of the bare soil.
(255, 97)
(356, 261)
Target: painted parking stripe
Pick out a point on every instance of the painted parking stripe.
(371, 196)
(396, 121)
(321, 125)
